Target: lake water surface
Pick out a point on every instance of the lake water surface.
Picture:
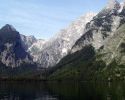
(61, 91)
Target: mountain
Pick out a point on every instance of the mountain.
(59, 46)
(99, 54)
(12, 52)
(91, 48)
(15, 61)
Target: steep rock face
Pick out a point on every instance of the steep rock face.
(114, 48)
(27, 41)
(32, 45)
(12, 52)
(36, 48)
(59, 46)
(103, 26)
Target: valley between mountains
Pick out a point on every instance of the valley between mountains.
(90, 48)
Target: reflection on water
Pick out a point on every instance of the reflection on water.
(61, 91)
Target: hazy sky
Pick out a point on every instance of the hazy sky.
(44, 18)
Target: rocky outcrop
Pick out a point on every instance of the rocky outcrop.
(36, 48)
(27, 41)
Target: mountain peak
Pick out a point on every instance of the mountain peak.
(113, 4)
(8, 28)
(123, 3)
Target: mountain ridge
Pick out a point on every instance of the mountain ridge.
(59, 46)
(107, 63)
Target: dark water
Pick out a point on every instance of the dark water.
(61, 91)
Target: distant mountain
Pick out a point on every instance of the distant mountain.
(59, 46)
(27, 41)
(16, 48)
(15, 61)
(32, 45)
(12, 52)
(36, 48)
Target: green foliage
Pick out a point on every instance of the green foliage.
(25, 71)
(78, 66)
(122, 45)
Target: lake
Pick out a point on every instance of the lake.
(61, 91)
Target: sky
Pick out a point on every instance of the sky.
(44, 18)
